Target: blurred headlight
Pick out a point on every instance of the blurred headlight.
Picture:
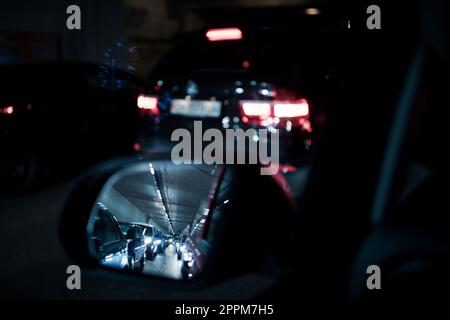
(148, 240)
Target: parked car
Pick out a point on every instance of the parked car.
(110, 245)
(54, 111)
(136, 245)
(178, 244)
(149, 239)
(161, 243)
(240, 77)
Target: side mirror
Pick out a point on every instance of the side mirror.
(206, 221)
(97, 244)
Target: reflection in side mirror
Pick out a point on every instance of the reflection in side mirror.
(157, 218)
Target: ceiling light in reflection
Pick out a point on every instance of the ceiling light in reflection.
(101, 205)
(152, 171)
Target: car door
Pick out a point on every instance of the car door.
(112, 246)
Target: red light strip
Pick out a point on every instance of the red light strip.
(224, 34)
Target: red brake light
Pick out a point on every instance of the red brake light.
(256, 109)
(224, 34)
(7, 110)
(147, 102)
(289, 109)
(267, 113)
(137, 147)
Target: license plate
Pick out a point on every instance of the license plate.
(196, 108)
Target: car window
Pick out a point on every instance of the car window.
(149, 232)
(276, 58)
(106, 230)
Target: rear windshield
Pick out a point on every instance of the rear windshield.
(149, 231)
(275, 57)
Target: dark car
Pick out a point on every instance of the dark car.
(136, 245)
(110, 245)
(54, 111)
(159, 243)
(235, 78)
(178, 244)
(149, 239)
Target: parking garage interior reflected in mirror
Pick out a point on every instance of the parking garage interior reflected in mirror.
(157, 218)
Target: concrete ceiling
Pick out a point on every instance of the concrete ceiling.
(179, 191)
(152, 24)
(161, 19)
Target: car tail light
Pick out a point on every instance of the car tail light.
(224, 34)
(289, 109)
(252, 109)
(7, 110)
(266, 113)
(147, 102)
